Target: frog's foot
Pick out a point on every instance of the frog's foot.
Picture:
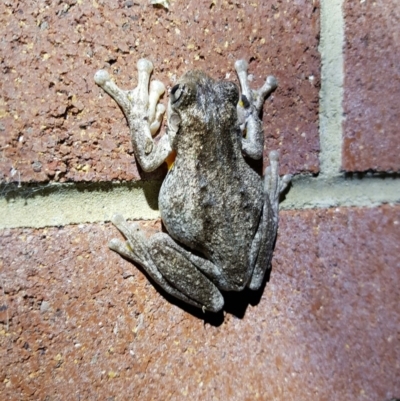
(139, 101)
(143, 114)
(167, 264)
(249, 109)
(134, 248)
(255, 96)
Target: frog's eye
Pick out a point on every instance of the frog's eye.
(177, 92)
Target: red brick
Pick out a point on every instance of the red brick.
(58, 125)
(327, 326)
(372, 85)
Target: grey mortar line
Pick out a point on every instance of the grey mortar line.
(63, 204)
(331, 93)
(59, 205)
(309, 192)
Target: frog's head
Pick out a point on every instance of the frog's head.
(199, 105)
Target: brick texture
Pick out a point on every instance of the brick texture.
(372, 86)
(79, 322)
(57, 125)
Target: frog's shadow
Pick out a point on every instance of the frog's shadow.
(236, 303)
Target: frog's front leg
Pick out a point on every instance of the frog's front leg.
(143, 114)
(249, 109)
(263, 244)
(176, 270)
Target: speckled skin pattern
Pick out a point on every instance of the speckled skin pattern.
(212, 201)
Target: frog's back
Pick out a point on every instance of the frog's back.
(214, 209)
(211, 200)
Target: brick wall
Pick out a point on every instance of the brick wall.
(79, 322)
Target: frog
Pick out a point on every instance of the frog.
(219, 213)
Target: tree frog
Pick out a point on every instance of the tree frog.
(220, 214)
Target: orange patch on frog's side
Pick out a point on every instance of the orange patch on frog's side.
(170, 160)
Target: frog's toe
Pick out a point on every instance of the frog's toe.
(273, 156)
(271, 81)
(128, 230)
(117, 219)
(144, 65)
(260, 94)
(155, 110)
(101, 77)
(121, 247)
(284, 182)
(159, 113)
(241, 66)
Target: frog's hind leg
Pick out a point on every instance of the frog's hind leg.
(177, 267)
(264, 241)
(167, 264)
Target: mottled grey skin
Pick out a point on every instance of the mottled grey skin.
(221, 216)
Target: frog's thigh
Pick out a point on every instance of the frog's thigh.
(181, 273)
